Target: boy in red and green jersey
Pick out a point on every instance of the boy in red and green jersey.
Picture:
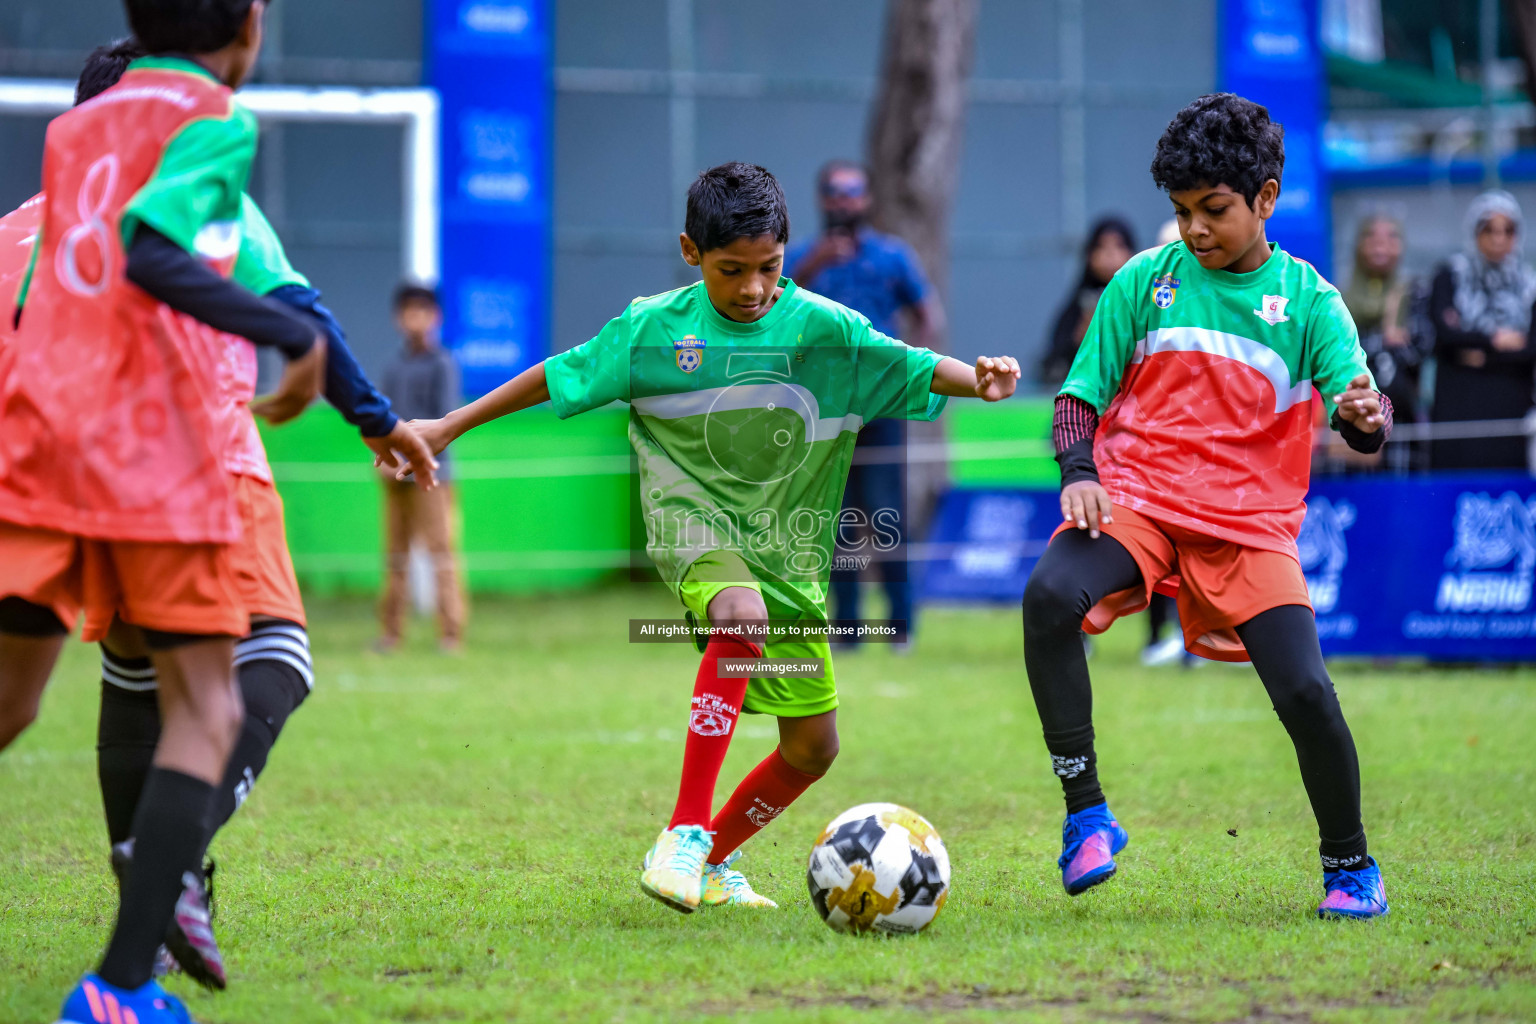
(1184, 433)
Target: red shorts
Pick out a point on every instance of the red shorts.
(174, 588)
(1219, 584)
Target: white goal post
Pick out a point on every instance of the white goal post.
(415, 109)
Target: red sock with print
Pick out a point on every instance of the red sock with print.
(712, 719)
(762, 796)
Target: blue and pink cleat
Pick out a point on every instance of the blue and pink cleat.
(1358, 894)
(95, 1002)
(1089, 841)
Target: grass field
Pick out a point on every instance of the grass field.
(456, 839)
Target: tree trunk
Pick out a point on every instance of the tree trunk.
(914, 167)
(918, 122)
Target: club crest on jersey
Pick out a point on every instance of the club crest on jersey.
(1164, 290)
(1272, 309)
(690, 353)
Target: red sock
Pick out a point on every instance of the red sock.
(762, 796)
(716, 706)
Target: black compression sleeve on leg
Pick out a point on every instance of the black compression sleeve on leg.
(1075, 572)
(126, 735)
(1283, 645)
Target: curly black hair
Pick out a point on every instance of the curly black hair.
(105, 66)
(1220, 139)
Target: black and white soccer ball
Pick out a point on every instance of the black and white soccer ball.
(879, 867)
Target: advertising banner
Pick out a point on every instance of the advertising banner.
(490, 63)
(1438, 567)
(1271, 54)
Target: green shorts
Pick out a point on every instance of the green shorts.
(780, 696)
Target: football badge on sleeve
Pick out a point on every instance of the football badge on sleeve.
(690, 353)
(1164, 290)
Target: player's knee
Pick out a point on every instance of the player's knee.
(1051, 605)
(811, 754)
(738, 610)
(1308, 699)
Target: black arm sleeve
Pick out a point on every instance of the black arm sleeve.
(1072, 429)
(1358, 439)
(347, 387)
(188, 285)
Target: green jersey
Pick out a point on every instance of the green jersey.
(744, 432)
(1204, 382)
(262, 265)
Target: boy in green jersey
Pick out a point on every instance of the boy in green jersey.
(746, 395)
(1184, 433)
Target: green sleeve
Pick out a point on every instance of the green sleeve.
(262, 265)
(894, 379)
(1107, 346)
(592, 374)
(193, 198)
(1334, 356)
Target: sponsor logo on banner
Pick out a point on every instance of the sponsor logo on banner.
(995, 530)
(496, 19)
(498, 157)
(1324, 550)
(1492, 557)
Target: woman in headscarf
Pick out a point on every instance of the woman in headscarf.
(1480, 305)
(1110, 244)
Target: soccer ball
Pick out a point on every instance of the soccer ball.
(879, 867)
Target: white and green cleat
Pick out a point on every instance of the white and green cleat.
(724, 886)
(673, 870)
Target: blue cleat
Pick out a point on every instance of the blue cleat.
(1089, 841)
(1358, 894)
(95, 1002)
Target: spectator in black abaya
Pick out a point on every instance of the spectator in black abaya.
(1110, 244)
(1480, 305)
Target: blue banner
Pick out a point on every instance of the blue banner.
(1271, 54)
(1438, 567)
(490, 63)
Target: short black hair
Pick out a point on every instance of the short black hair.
(1220, 139)
(732, 201)
(187, 26)
(408, 292)
(105, 66)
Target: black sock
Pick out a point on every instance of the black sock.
(271, 690)
(126, 735)
(1343, 854)
(1073, 761)
(170, 831)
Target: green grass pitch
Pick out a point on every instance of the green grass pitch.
(457, 839)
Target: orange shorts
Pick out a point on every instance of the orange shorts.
(1218, 584)
(174, 588)
(263, 570)
(263, 567)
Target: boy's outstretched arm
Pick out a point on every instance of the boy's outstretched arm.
(992, 379)
(524, 391)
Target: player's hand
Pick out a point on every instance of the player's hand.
(435, 435)
(996, 377)
(1086, 505)
(402, 451)
(303, 379)
(1361, 406)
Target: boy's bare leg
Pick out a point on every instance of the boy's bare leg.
(25, 664)
(201, 714)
